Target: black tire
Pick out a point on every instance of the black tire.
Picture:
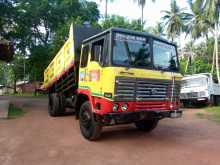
(185, 104)
(54, 106)
(212, 101)
(62, 104)
(90, 129)
(146, 125)
(217, 100)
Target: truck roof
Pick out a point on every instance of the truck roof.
(122, 30)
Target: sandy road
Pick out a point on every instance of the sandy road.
(37, 139)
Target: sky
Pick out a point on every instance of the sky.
(130, 10)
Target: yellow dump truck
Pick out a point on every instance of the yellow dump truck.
(111, 77)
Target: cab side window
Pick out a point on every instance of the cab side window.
(85, 55)
(97, 50)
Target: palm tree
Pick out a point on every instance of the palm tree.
(174, 20)
(106, 7)
(142, 3)
(197, 26)
(157, 30)
(212, 9)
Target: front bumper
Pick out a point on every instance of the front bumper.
(130, 117)
(199, 99)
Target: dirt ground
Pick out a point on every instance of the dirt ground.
(37, 139)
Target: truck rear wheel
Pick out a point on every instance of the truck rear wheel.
(185, 104)
(88, 126)
(146, 125)
(55, 107)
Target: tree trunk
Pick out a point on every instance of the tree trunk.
(216, 52)
(187, 64)
(213, 60)
(15, 90)
(142, 17)
(106, 9)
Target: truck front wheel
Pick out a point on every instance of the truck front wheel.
(90, 129)
(146, 125)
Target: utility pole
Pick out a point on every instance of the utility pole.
(5, 75)
(24, 69)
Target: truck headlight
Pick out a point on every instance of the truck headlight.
(115, 107)
(124, 107)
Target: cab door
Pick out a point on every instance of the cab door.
(83, 68)
(95, 65)
(93, 57)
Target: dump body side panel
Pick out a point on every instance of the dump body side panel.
(68, 56)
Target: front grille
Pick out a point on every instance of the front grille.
(189, 95)
(151, 105)
(137, 89)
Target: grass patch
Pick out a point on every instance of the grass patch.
(14, 112)
(214, 112)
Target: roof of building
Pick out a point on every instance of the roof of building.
(22, 82)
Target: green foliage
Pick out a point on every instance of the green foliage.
(212, 10)
(197, 26)
(199, 65)
(39, 29)
(215, 113)
(2, 74)
(38, 60)
(13, 71)
(158, 30)
(175, 20)
(121, 22)
(7, 17)
(183, 64)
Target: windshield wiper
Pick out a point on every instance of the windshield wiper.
(128, 54)
(159, 68)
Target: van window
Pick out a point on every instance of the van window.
(85, 55)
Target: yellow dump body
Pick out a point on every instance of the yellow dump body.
(68, 56)
(60, 64)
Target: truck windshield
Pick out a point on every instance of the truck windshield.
(131, 51)
(135, 51)
(194, 82)
(165, 56)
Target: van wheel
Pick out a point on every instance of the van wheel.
(54, 106)
(88, 126)
(217, 101)
(212, 101)
(146, 125)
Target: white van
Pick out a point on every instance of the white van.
(199, 88)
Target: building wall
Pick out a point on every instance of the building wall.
(5, 90)
(28, 87)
